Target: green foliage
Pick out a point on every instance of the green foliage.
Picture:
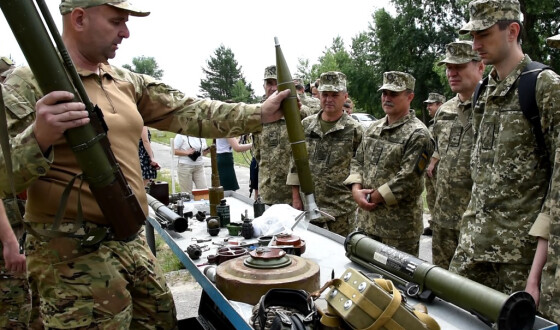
(165, 256)
(222, 76)
(145, 65)
(162, 137)
(240, 93)
(304, 71)
(414, 41)
(540, 21)
(418, 34)
(335, 58)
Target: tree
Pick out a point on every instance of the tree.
(414, 40)
(303, 70)
(224, 78)
(335, 58)
(361, 75)
(239, 92)
(540, 21)
(145, 65)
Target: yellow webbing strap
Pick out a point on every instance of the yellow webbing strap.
(427, 320)
(330, 319)
(383, 317)
(387, 314)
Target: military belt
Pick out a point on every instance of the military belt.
(89, 233)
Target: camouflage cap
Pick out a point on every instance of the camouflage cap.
(485, 13)
(270, 72)
(554, 41)
(298, 82)
(397, 81)
(66, 6)
(435, 98)
(332, 81)
(5, 64)
(459, 52)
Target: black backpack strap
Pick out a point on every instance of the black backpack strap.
(479, 88)
(528, 101)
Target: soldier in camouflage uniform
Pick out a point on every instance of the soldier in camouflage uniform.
(510, 173)
(6, 66)
(116, 284)
(387, 174)
(332, 139)
(453, 134)
(312, 103)
(544, 279)
(15, 299)
(272, 151)
(433, 103)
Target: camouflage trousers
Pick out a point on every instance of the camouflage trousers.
(15, 297)
(549, 304)
(504, 277)
(430, 184)
(444, 243)
(116, 285)
(342, 225)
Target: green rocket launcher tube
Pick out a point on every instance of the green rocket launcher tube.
(296, 136)
(516, 311)
(89, 143)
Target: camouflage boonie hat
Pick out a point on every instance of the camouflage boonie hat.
(435, 98)
(554, 41)
(5, 64)
(459, 52)
(66, 6)
(298, 82)
(485, 13)
(270, 72)
(397, 81)
(332, 81)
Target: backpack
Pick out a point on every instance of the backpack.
(527, 100)
(285, 309)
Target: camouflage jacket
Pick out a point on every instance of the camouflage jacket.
(313, 104)
(510, 179)
(453, 134)
(393, 159)
(128, 101)
(272, 151)
(330, 156)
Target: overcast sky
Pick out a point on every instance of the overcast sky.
(182, 35)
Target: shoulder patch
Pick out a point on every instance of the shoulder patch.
(421, 162)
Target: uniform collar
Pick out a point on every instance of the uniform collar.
(504, 86)
(340, 124)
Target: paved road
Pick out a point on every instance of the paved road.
(187, 295)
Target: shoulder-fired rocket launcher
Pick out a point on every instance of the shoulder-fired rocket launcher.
(516, 311)
(89, 143)
(166, 217)
(296, 135)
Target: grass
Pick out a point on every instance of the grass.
(167, 259)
